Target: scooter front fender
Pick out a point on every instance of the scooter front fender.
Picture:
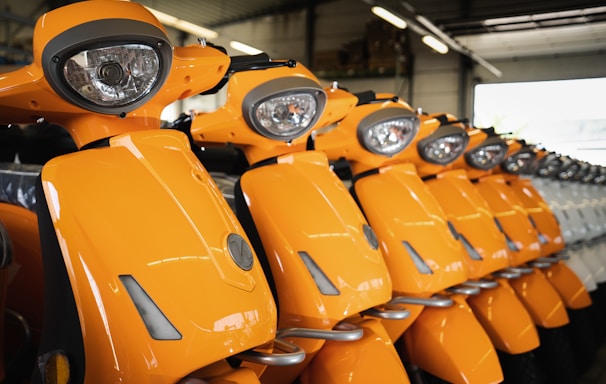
(372, 359)
(320, 250)
(141, 223)
(568, 285)
(505, 319)
(540, 299)
(412, 229)
(451, 344)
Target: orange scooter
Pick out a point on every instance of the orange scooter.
(473, 219)
(521, 159)
(147, 275)
(544, 303)
(328, 275)
(428, 265)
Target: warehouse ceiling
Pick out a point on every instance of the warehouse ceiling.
(491, 29)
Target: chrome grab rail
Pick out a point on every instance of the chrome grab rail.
(292, 355)
(341, 332)
(540, 264)
(483, 284)
(464, 290)
(520, 270)
(389, 311)
(507, 274)
(434, 301)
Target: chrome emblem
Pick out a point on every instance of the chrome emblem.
(240, 251)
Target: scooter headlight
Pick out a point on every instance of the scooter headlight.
(549, 166)
(388, 131)
(520, 162)
(285, 108)
(444, 145)
(108, 66)
(488, 154)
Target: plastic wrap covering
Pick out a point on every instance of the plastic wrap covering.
(17, 184)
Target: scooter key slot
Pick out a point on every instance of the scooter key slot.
(343, 332)
(292, 355)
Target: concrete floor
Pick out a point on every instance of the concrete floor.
(597, 373)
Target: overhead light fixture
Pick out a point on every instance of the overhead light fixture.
(182, 25)
(389, 17)
(435, 44)
(244, 48)
(452, 43)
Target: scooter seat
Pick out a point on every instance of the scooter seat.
(17, 184)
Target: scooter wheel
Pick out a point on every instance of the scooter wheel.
(583, 338)
(555, 356)
(521, 368)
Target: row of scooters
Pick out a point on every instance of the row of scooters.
(296, 234)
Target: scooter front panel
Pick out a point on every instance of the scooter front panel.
(142, 223)
(324, 265)
(372, 359)
(451, 344)
(505, 319)
(540, 299)
(412, 229)
(546, 223)
(569, 286)
(472, 219)
(509, 210)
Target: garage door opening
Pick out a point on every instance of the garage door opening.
(567, 116)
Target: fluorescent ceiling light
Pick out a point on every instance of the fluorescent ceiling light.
(389, 17)
(435, 44)
(182, 25)
(244, 48)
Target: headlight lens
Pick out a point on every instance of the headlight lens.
(520, 162)
(488, 154)
(549, 166)
(113, 76)
(284, 108)
(443, 150)
(109, 66)
(286, 116)
(388, 131)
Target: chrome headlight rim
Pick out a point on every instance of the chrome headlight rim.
(444, 131)
(549, 166)
(490, 141)
(282, 87)
(382, 116)
(100, 34)
(523, 166)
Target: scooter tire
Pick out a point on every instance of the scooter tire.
(521, 368)
(555, 356)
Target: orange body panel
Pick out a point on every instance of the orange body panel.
(541, 213)
(372, 359)
(438, 332)
(399, 207)
(510, 212)
(25, 284)
(469, 213)
(151, 182)
(569, 286)
(326, 224)
(505, 319)
(541, 300)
